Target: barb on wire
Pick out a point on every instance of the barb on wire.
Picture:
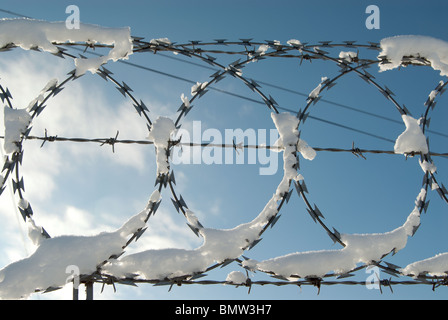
(111, 141)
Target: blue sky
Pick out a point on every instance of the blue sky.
(90, 189)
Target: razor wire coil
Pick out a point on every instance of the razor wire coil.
(206, 52)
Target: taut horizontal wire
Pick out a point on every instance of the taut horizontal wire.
(113, 141)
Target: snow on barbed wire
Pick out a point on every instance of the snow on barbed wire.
(198, 88)
(163, 41)
(412, 140)
(360, 248)
(434, 266)
(316, 91)
(28, 34)
(236, 277)
(46, 267)
(16, 123)
(185, 101)
(291, 135)
(427, 166)
(161, 132)
(348, 56)
(433, 50)
(294, 43)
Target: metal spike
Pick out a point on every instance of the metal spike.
(254, 83)
(274, 220)
(312, 214)
(415, 228)
(317, 211)
(349, 44)
(325, 43)
(333, 237)
(391, 265)
(220, 41)
(337, 234)
(106, 71)
(126, 282)
(126, 87)
(374, 45)
(50, 289)
(254, 243)
(288, 196)
(250, 85)
(246, 42)
(194, 229)
(155, 206)
(123, 92)
(303, 186)
(143, 106)
(45, 234)
(406, 110)
(18, 185)
(425, 207)
(176, 204)
(138, 108)
(280, 277)
(210, 58)
(272, 101)
(392, 273)
(116, 256)
(319, 51)
(315, 100)
(182, 202)
(364, 77)
(331, 85)
(345, 275)
(9, 165)
(199, 275)
(34, 107)
(171, 178)
(235, 63)
(439, 191)
(24, 214)
(39, 110)
(444, 189)
(140, 233)
(56, 90)
(163, 283)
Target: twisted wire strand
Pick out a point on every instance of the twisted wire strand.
(114, 140)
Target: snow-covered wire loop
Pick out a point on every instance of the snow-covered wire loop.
(426, 161)
(18, 125)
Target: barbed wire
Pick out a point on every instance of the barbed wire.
(112, 141)
(248, 53)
